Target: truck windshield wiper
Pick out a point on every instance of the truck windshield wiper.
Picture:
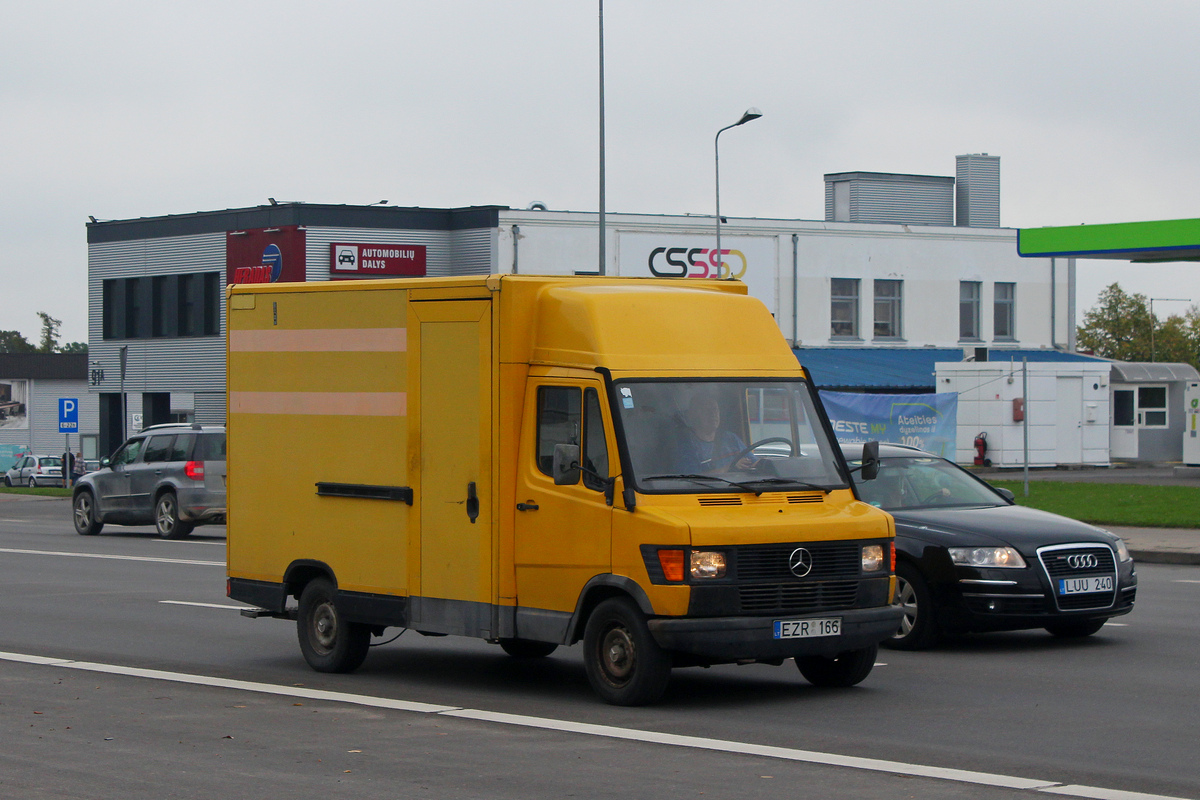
(697, 477)
(792, 482)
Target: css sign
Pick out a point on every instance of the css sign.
(696, 262)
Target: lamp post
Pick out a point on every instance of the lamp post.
(1154, 320)
(750, 113)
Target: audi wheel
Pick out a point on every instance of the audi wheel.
(918, 627)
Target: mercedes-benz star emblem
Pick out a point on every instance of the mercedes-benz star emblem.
(800, 562)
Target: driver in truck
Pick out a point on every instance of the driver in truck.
(704, 446)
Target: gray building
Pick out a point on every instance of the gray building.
(156, 290)
(31, 385)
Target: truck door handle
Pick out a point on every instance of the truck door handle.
(527, 506)
(472, 502)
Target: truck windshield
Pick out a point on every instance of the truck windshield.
(725, 436)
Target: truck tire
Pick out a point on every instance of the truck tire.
(844, 669)
(919, 626)
(329, 643)
(83, 514)
(624, 664)
(525, 648)
(166, 518)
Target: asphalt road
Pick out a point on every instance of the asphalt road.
(126, 673)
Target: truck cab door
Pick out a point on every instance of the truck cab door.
(562, 533)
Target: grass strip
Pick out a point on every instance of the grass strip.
(44, 491)
(1113, 503)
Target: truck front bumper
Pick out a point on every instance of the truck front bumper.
(753, 638)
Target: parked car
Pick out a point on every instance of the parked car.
(171, 476)
(34, 471)
(968, 559)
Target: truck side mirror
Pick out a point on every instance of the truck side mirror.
(565, 467)
(870, 461)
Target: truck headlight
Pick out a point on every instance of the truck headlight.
(872, 558)
(1002, 557)
(708, 564)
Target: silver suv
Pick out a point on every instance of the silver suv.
(171, 476)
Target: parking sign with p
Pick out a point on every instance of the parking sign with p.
(68, 415)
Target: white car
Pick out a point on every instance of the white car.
(34, 471)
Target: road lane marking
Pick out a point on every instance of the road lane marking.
(189, 541)
(113, 557)
(203, 605)
(608, 731)
(1184, 580)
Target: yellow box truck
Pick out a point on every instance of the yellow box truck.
(640, 465)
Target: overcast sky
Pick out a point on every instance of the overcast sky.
(133, 109)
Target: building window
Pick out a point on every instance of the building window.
(1005, 311)
(888, 309)
(162, 306)
(968, 310)
(843, 308)
(1152, 406)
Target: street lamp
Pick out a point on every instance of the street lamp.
(751, 113)
(1154, 320)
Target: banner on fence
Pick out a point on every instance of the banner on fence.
(927, 421)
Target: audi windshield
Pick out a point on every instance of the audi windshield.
(726, 436)
(924, 482)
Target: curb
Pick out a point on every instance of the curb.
(1163, 557)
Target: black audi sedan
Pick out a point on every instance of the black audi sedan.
(968, 559)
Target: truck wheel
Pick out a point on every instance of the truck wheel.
(625, 666)
(1076, 628)
(918, 627)
(329, 643)
(845, 669)
(166, 518)
(524, 648)
(83, 512)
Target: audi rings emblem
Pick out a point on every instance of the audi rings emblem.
(1083, 561)
(800, 562)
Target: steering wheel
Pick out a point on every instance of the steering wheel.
(934, 498)
(745, 451)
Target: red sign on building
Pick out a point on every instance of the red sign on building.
(362, 260)
(265, 255)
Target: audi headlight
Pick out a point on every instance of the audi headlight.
(1003, 557)
(708, 564)
(1122, 550)
(872, 558)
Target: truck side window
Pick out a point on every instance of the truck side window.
(595, 448)
(558, 421)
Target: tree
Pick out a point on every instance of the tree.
(1120, 326)
(50, 329)
(74, 347)
(14, 342)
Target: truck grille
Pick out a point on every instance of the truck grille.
(798, 597)
(770, 562)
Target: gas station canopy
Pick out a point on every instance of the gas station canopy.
(1166, 240)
